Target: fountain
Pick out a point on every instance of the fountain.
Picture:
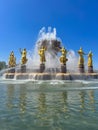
(48, 64)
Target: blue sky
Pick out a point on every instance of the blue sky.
(76, 22)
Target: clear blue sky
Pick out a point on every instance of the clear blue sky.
(76, 22)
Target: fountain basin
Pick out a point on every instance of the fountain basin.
(49, 76)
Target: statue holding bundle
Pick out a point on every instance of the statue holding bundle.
(23, 56)
(12, 60)
(41, 53)
(63, 58)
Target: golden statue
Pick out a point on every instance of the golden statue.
(23, 56)
(81, 58)
(12, 60)
(41, 52)
(63, 58)
(90, 61)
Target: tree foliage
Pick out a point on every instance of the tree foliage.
(3, 65)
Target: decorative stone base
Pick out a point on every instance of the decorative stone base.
(23, 68)
(81, 69)
(47, 76)
(90, 69)
(63, 69)
(9, 76)
(42, 68)
(12, 70)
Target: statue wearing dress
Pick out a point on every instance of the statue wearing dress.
(63, 58)
(81, 58)
(23, 56)
(12, 60)
(41, 53)
(90, 61)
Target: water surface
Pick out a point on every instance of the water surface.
(50, 105)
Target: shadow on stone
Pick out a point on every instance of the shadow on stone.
(23, 69)
(63, 69)
(42, 68)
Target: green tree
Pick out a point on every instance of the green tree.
(3, 65)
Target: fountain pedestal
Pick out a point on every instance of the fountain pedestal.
(90, 69)
(63, 68)
(42, 67)
(12, 70)
(23, 68)
(81, 68)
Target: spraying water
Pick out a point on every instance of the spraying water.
(53, 45)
